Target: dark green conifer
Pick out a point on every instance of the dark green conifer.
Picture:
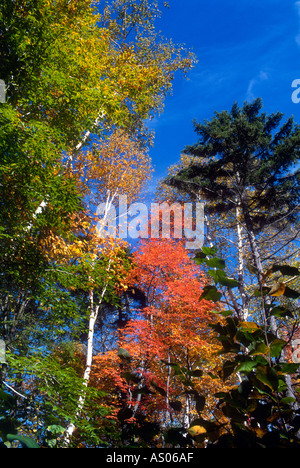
(245, 157)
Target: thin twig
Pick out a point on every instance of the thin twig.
(15, 391)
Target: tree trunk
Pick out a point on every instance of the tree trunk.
(241, 263)
(94, 311)
(68, 163)
(269, 320)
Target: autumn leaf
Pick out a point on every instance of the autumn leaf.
(277, 290)
(250, 327)
(195, 431)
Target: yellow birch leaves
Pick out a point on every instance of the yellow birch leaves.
(117, 166)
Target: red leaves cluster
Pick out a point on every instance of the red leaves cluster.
(173, 327)
(172, 284)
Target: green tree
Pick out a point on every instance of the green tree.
(245, 168)
(262, 410)
(72, 80)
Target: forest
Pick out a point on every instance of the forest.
(108, 343)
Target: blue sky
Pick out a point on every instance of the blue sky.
(245, 49)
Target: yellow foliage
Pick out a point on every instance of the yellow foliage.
(117, 166)
(195, 431)
(250, 327)
(277, 290)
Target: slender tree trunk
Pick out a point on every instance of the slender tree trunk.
(270, 320)
(167, 412)
(208, 231)
(94, 311)
(68, 163)
(241, 263)
(243, 311)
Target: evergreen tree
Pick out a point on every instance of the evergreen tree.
(245, 164)
(242, 160)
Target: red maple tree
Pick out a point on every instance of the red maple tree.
(168, 344)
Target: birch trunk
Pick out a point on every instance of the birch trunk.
(271, 321)
(241, 263)
(94, 311)
(68, 163)
(167, 412)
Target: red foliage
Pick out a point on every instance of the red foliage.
(173, 327)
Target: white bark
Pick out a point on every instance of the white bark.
(77, 148)
(241, 262)
(94, 311)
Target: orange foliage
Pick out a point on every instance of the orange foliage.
(172, 328)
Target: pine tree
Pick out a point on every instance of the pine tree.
(245, 164)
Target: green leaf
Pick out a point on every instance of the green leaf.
(175, 366)
(229, 282)
(286, 270)
(281, 312)
(260, 348)
(231, 326)
(196, 373)
(216, 263)
(175, 437)
(176, 405)
(250, 327)
(200, 258)
(220, 278)
(221, 395)
(288, 400)
(124, 354)
(200, 403)
(209, 250)
(124, 413)
(228, 369)
(131, 377)
(141, 391)
(26, 442)
(264, 291)
(290, 293)
(247, 366)
(287, 368)
(159, 389)
(7, 398)
(268, 376)
(56, 429)
(224, 313)
(276, 347)
(210, 293)
(252, 269)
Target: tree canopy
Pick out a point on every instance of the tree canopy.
(108, 345)
(245, 157)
